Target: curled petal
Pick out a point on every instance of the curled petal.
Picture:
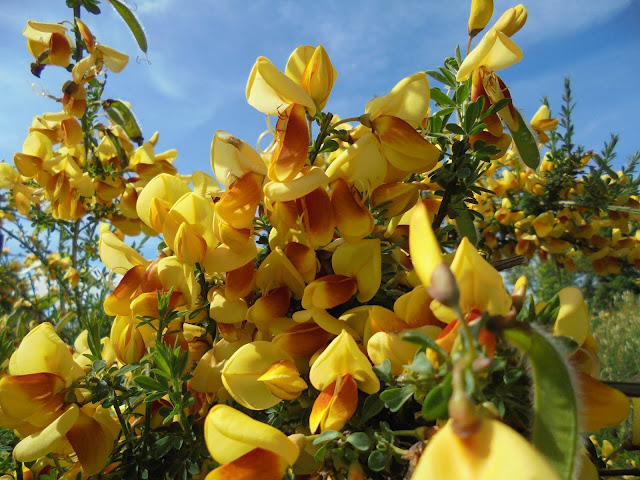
(308, 180)
(231, 158)
(495, 51)
(229, 434)
(258, 463)
(335, 405)
(53, 355)
(408, 100)
(328, 291)
(270, 91)
(343, 356)
(44, 441)
(292, 145)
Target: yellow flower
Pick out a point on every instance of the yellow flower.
(493, 451)
(270, 91)
(33, 401)
(361, 261)
(495, 51)
(231, 158)
(338, 372)
(48, 36)
(256, 377)
(246, 448)
(408, 100)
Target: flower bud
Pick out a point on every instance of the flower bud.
(512, 20)
(481, 11)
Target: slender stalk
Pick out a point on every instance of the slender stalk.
(324, 128)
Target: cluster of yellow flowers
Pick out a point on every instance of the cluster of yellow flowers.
(299, 281)
(608, 238)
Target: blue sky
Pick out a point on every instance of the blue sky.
(201, 53)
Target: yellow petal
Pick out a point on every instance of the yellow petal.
(243, 370)
(407, 100)
(343, 356)
(481, 286)
(270, 91)
(361, 163)
(495, 51)
(493, 452)
(164, 187)
(39, 444)
(573, 317)
(306, 182)
(112, 58)
(231, 158)
(229, 434)
(481, 11)
(258, 463)
(91, 443)
(283, 380)
(361, 261)
(423, 244)
(599, 405)
(53, 355)
(116, 255)
(511, 20)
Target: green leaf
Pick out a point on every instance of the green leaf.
(499, 105)
(329, 146)
(455, 128)
(371, 407)
(394, 398)
(435, 404)
(360, 441)
(443, 112)
(378, 460)
(132, 22)
(466, 227)
(555, 421)
(425, 342)
(440, 77)
(148, 383)
(383, 371)
(120, 114)
(327, 436)
(525, 143)
(441, 98)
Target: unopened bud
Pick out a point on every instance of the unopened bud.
(512, 20)
(444, 287)
(518, 293)
(481, 11)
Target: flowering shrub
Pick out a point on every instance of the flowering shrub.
(328, 307)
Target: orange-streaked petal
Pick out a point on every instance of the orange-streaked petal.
(229, 434)
(91, 443)
(258, 463)
(335, 405)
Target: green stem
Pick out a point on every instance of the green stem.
(442, 211)
(466, 333)
(346, 120)
(123, 424)
(324, 128)
(74, 264)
